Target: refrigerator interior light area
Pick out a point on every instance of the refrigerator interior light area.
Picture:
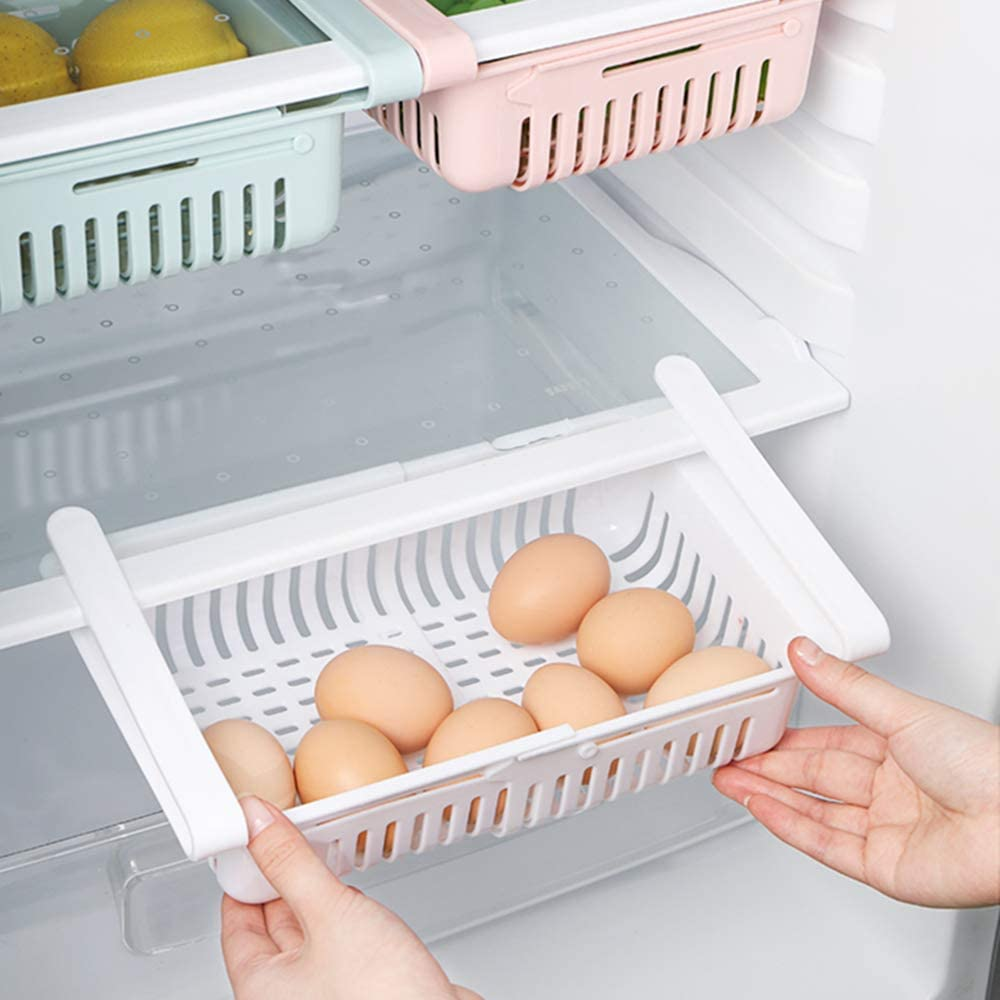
(831, 276)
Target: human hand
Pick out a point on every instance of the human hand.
(322, 940)
(916, 788)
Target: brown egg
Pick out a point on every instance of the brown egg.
(252, 760)
(632, 636)
(478, 725)
(393, 690)
(565, 693)
(483, 723)
(704, 670)
(543, 591)
(341, 754)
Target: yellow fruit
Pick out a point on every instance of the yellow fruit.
(30, 66)
(134, 39)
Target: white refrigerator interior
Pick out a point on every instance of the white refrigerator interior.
(854, 240)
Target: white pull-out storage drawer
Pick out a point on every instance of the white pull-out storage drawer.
(233, 610)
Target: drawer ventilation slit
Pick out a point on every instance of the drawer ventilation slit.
(685, 111)
(609, 115)
(124, 250)
(322, 602)
(280, 213)
(633, 126)
(218, 228)
(581, 131)
(187, 235)
(710, 109)
(93, 267)
(765, 76)
(345, 591)
(737, 88)
(155, 240)
(522, 171)
(59, 262)
(26, 245)
(249, 219)
(554, 145)
(658, 129)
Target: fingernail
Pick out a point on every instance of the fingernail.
(746, 801)
(258, 814)
(808, 652)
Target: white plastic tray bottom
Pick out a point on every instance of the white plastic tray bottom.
(430, 321)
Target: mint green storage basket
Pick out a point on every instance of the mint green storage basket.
(185, 199)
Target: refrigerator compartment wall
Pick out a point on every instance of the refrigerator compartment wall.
(569, 110)
(183, 199)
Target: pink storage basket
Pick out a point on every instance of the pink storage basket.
(548, 115)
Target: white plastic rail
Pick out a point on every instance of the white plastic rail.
(859, 624)
(135, 681)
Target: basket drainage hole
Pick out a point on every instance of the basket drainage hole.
(510, 692)
(187, 691)
(308, 701)
(487, 653)
(477, 635)
(260, 670)
(566, 652)
(351, 645)
(297, 681)
(451, 664)
(447, 644)
(217, 682)
(260, 692)
(277, 710)
(321, 652)
(227, 701)
(281, 663)
(535, 662)
(502, 672)
(434, 625)
(197, 710)
(286, 730)
(467, 616)
(468, 682)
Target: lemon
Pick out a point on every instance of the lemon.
(30, 65)
(134, 39)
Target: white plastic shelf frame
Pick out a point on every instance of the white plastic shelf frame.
(432, 326)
